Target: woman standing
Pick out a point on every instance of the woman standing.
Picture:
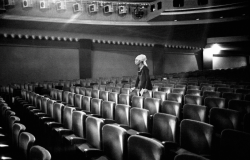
(143, 82)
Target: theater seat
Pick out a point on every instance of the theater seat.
(179, 91)
(93, 140)
(175, 97)
(164, 127)
(171, 107)
(137, 101)
(195, 138)
(211, 102)
(152, 104)
(39, 153)
(191, 99)
(138, 151)
(193, 92)
(104, 95)
(112, 137)
(222, 118)
(160, 95)
(148, 94)
(108, 110)
(211, 94)
(113, 97)
(230, 96)
(243, 107)
(26, 141)
(123, 99)
(194, 112)
(234, 145)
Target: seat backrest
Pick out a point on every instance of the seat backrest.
(59, 95)
(194, 112)
(71, 99)
(176, 97)
(58, 112)
(104, 95)
(166, 89)
(193, 87)
(220, 86)
(44, 104)
(94, 131)
(78, 123)
(139, 119)
(17, 128)
(148, 94)
(164, 127)
(39, 102)
(123, 99)
(95, 93)
(193, 92)
(225, 89)
(152, 104)
(125, 90)
(234, 145)
(72, 89)
(113, 96)
(102, 87)
(26, 141)
(208, 88)
(108, 110)
(86, 103)
(230, 96)
(50, 104)
(171, 107)
(77, 90)
(222, 118)
(138, 151)
(241, 106)
(78, 100)
(39, 153)
(137, 101)
(12, 120)
(112, 137)
(96, 105)
(196, 136)
(160, 95)
(116, 89)
(82, 91)
(211, 102)
(122, 114)
(191, 99)
(242, 91)
(67, 117)
(88, 92)
(179, 90)
(65, 97)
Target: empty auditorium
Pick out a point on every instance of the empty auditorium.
(124, 80)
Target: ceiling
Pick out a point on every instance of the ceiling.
(180, 26)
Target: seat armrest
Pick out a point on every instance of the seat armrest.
(168, 145)
(93, 153)
(145, 134)
(124, 126)
(64, 131)
(77, 140)
(95, 115)
(108, 121)
(46, 119)
(54, 124)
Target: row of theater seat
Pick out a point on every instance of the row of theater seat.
(15, 140)
(57, 110)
